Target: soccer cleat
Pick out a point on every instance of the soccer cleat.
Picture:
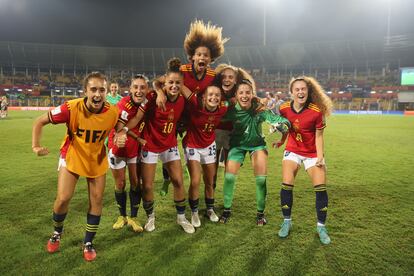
(136, 226)
(260, 219)
(212, 215)
(323, 235)
(120, 222)
(53, 243)
(285, 228)
(225, 216)
(185, 224)
(195, 219)
(89, 253)
(164, 189)
(150, 225)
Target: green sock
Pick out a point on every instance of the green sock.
(261, 192)
(228, 189)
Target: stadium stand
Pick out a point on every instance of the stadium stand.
(357, 75)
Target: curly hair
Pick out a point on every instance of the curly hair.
(241, 75)
(204, 35)
(317, 95)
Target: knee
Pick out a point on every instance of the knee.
(62, 201)
(96, 198)
(229, 177)
(120, 185)
(177, 183)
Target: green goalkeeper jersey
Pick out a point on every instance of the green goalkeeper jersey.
(113, 100)
(247, 126)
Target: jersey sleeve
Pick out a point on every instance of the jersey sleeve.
(320, 121)
(60, 114)
(272, 118)
(122, 112)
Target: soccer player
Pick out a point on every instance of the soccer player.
(228, 77)
(161, 143)
(206, 111)
(247, 137)
(120, 158)
(3, 107)
(306, 112)
(203, 44)
(113, 98)
(89, 121)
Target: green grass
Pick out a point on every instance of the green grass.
(371, 215)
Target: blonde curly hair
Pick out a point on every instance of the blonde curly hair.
(317, 95)
(204, 35)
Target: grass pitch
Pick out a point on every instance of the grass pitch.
(370, 218)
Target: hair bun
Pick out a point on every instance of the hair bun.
(174, 65)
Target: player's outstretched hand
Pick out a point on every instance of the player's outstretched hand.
(40, 151)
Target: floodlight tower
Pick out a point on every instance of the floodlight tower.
(264, 22)
(389, 22)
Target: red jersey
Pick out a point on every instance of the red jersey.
(192, 82)
(127, 110)
(301, 139)
(200, 131)
(160, 126)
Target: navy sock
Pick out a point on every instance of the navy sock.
(194, 204)
(135, 195)
(148, 207)
(286, 200)
(209, 203)
(121, 198)
(321, 202)
(180, 206)
(92, 225)
(58, 221)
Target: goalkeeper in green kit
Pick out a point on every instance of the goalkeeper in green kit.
(247, 137)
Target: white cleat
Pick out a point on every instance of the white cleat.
(185, 224)
(212, 215)
(195, 219)
(150, 225)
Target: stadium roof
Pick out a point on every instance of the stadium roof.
(357, 53)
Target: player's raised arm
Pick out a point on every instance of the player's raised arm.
(38, 125)
(161, 98)
(185, 91)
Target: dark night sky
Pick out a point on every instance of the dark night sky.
(163, 24)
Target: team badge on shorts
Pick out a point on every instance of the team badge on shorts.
(191, 151)
(144, 153)
(287, 153)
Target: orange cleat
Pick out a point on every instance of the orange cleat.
(53, 243)
(89, 253)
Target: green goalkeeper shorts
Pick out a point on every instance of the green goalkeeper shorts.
(237, 154)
